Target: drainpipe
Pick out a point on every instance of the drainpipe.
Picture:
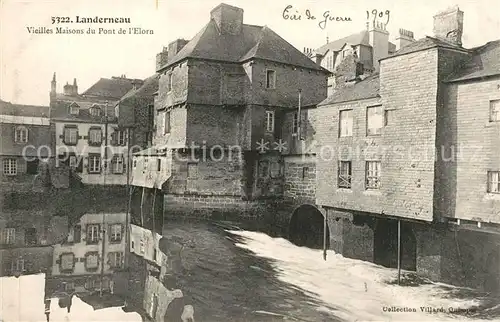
(325, 228)
(102, 256)
(399, 251)
(142, 204)
(299, 118)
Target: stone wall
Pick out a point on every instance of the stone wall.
(300, 178)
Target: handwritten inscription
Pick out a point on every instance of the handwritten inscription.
(378, 14)
(290, 13)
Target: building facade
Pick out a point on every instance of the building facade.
(26, 139)
(220, 111)
(400, 150)
(86, 134)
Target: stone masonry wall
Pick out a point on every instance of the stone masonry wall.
(300, 178)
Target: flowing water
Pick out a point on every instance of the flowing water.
(228, 274)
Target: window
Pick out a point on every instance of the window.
(92, 234)
(495, 111)
(166, 123)
(169, 82)
(73, 161)
(92, 261)
(94, 165)
(270, 78)
(494, 181)
(21, 134)
(345, 123)
(70, 136)
(270, 121)
(95, 110)
(74, 109)
(135, 163)
(17, 265)
(118, 164)
(295, 123)
(67, 262)
(115, 259)
(120, 137)
(158, 164)
(389, 117)
(372, 174)
(95, 136)
(374, 120)
(10, 167)
(115, 233)
(305, 170)
(192, 170)
(344, 175)
(8, 236)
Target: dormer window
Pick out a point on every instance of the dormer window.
(74, 109)
(95, 110)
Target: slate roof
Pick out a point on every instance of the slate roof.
(113, 88)
(424, 43)
(60, 111)
(485, 61)
(148, 89)
(367, 88)
(360, 38)
(252, 42)
(7, 108)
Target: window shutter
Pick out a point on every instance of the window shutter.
(113, 138)
(87, 159)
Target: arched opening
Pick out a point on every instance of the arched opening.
(492, 278)
(306, 227)
(385, 251)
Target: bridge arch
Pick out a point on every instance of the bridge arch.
(306, 227)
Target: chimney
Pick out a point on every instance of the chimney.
(404, 38)
(68, 89)
(174, 47)
(379, 40)
(161, 58)
(229, 19)
(75, 87)
(449, 25)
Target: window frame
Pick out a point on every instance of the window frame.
(166, 122)
(91, 166)
(69, 129)
(271, 85)
(115, 161)
(121, 138)
(8, 236)
(92, 130)
(86, 262)
(14, 265)
(169, 81)
(295, 123)
(115, 236)
(344, 180)
(490, 182)
(494, 104)
(115, 260)
(23, 138)
(368, 177)
(74, 109)
(10, 164)
(342, 122)
(270, 120)
(378, 131)
(66, 270)
(95, 239)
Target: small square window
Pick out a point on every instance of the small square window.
(9, 167)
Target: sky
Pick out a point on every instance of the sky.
(28, 61)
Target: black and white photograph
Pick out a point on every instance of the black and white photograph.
(238, 160)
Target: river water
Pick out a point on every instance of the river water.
(230, 274)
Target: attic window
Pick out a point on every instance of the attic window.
(95, 110)
(74, 109)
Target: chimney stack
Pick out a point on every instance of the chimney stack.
(53, 85)
(75, 87)
(404, 38)
(449, 25)
(379, 40)
(174, 47)
(229, 19)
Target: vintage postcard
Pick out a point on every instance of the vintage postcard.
(288, 160)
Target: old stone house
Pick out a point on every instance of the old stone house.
(226, 120)
(401, 148)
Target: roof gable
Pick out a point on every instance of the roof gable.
(252, 42)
